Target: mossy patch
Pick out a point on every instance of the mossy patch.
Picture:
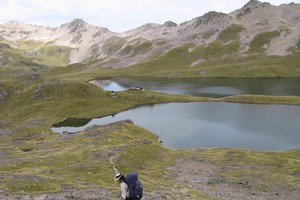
(231, 33)
(261, 40)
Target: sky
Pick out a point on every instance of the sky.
(116, 15)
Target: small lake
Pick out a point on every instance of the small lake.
(205, 125)
(207, 87)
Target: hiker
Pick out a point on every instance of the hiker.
(124, 187)
(131, 187)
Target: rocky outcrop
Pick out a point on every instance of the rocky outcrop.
(169, 24)
(209, 17)
(252, 4)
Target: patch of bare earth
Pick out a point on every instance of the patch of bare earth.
(205, 177)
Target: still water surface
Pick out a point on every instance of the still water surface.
(208, 87)
(199, 125)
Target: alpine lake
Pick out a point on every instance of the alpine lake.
(262, 127)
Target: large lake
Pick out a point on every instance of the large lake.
(205, 125)
(199, 125)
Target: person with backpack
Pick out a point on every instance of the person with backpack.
(131, 187)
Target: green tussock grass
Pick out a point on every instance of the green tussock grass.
(135, 49)
(231, 33)
(29, 44)
(46, 53)
(263, 99)
(261, 39)
(52, 55)
(141, 48)
(113, 45)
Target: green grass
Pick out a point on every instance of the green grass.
(216, 49)
(52, 55)
(135, 49)
(141, 48)
(263, 99)
(29, 44)
(231, 33)
(113, 45)
(262, 39)
(31, 52)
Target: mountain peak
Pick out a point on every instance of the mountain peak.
(208, 18)
(77, 25)
(77, 22)
(146, 27)
(169, 24)
(254, 4)
(250, 6)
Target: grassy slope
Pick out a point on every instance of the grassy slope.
(221, 58)
(46, 53)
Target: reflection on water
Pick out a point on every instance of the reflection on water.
(109, 85)
(208, 87)
(199, 125)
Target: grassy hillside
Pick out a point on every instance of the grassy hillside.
(221, 58)
(46, 53)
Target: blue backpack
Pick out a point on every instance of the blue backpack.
(135, 187)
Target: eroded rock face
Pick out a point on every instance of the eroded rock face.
(210, 17)
(170, 24)
(77, 25)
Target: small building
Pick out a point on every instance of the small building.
(135, 89)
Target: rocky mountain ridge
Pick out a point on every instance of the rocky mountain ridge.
(84, 42)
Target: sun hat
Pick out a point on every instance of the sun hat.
(118, 176)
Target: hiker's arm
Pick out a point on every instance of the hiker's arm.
(124, 191)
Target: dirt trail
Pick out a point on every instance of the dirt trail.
(112, 162)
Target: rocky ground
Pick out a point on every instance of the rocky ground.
(201, 176)
(195, 173)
